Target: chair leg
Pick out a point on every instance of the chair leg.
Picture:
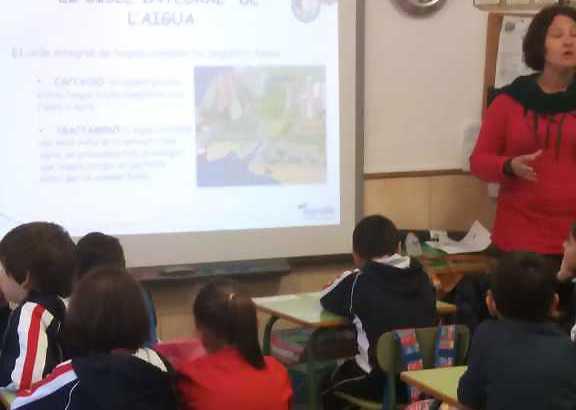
(313, 390)
(268, 334)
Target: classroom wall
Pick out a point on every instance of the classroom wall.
(449, 202)
(424, 79)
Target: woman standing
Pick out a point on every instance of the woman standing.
(527, 142)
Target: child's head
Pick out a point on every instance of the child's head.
(107, 311)
(37, 256)
(523, 288)
(225, 317)
(96, 250)
(374, 236)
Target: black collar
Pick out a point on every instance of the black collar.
(526, 91)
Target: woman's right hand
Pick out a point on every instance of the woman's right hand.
(521, 166)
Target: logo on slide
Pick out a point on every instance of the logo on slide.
(306, 10)
(316, 213)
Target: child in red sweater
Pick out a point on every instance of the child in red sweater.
(233, 374)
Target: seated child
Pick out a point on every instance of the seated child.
(233, 374)
(568, 267)
(106, 327)
(98, 250)
(387, 292)
(522, 360)
(38, 263)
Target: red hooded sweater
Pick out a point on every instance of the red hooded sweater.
(531, 216)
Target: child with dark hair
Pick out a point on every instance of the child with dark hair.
(567, 270)
(96, 250)
(234, 374)
(387, 291)
(106, 327)
(38, 262)
(522, 360)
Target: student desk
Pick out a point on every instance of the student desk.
(304, 309)
(446, 271)
(440, 383)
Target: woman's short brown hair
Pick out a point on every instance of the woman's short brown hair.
(534, 44)
(107, 311)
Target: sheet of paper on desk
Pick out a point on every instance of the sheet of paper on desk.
(476, 240)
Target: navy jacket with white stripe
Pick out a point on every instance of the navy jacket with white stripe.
(381, 297)
(114, 381)
(31, 346)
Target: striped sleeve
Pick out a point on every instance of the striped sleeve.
(54, 391)
(33, 346)
(328, 288)
(151, 357)
(337, 298)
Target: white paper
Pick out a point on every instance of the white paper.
(510, 64)
(476, 240)
(438, 236)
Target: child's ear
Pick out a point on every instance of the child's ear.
(358, 260)
(553, 312)
(27, 282)
(491, 304)
(567, 266)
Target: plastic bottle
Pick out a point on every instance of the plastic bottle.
(412, 245)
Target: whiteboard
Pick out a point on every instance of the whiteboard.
(423, 83)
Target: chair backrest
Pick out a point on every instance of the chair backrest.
(390, 360)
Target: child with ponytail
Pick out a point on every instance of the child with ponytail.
(234, 374)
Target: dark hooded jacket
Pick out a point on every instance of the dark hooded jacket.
(115, 381)
(379, 298)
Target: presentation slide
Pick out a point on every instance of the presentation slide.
(166, 116)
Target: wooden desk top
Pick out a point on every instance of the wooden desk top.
(305, 310)
(440, 383)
